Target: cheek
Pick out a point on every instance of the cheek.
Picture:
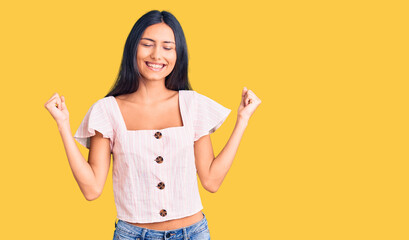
(172, 58)
(142, 53)
(140, 56)
(139, 62)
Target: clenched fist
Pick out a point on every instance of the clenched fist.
(57, 108)
(249, 103)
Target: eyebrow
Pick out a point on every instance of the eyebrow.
(154, 40)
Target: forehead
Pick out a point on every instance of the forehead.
(159, 32)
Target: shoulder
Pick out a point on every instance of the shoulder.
(198, 100)
(187, 92)
(102, 104)
(105, 101)
(194, 95)
(102, 101)
(187, 96)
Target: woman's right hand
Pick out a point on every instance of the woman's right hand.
(57, 108)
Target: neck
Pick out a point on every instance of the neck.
(150, 92)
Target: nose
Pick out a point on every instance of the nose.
(156, 53)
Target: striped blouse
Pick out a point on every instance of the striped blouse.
(154, 172)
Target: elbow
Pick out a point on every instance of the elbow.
(92, 196)
(212, 188)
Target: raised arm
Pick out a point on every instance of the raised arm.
(211, 170)
(91, 175)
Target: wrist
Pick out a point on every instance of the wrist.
(242, 121)
(62, 126)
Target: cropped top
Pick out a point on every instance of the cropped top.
(154, 171)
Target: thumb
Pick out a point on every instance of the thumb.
(63, 106)
(243, 93)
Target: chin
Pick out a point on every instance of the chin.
(153, 78)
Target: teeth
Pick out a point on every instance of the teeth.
(155, 65)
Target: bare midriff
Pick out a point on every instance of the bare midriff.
(172, 224)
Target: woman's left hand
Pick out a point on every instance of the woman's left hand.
(249, 103)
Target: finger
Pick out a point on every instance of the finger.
(253, 96)
(247, 100)
(51, 98)
(56, 95)
(250, 93)
(50, 104)
(250, 101)
(57, 103)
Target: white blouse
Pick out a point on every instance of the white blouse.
(154, 171)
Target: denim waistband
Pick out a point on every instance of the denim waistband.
(166, 234)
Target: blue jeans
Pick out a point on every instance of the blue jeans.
(197, 231)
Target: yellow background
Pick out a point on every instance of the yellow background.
(325, 156)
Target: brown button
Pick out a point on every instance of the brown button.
(159, 159)
(158, 135)
(163, 212)
(161, 185)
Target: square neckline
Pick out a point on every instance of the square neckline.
(122, 120)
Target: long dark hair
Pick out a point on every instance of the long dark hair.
(128, 76)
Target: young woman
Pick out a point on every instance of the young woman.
(157, 129)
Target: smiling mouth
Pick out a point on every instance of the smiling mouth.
(155, 67)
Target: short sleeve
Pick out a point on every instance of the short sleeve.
(209, 115)
(95, 119)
